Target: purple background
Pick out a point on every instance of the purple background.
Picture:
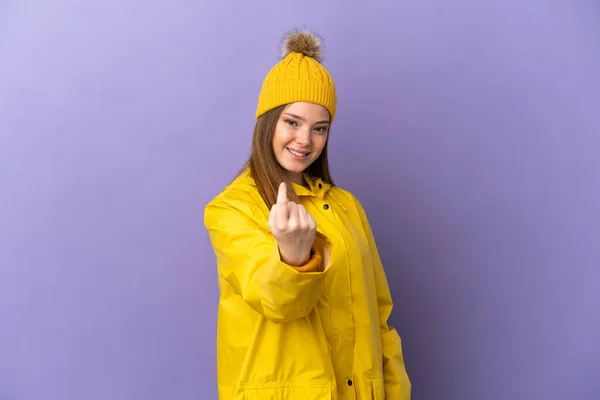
(469, 129)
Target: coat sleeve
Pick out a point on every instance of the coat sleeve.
(248, 259)
(396, 380)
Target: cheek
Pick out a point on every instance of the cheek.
(281, 137)
(277, 137)
(319, 142)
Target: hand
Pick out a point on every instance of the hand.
(293, 228)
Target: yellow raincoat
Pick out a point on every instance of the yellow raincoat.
(284, 334)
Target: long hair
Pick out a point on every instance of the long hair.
(264, 167)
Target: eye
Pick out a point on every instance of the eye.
(321, 129)
(290, 122)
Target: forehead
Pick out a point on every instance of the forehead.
(309, 111)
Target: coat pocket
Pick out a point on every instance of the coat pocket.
(377, 389)
(289, 393)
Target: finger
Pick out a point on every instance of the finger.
(303, 217)
(282, 208)
(293, 219)
(272, 214)
(282, 194)
(312, 223)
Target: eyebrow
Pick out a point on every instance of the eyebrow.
(325, 121)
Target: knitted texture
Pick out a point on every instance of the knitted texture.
(315, 264)
(297, 78)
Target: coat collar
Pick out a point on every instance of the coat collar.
(317, 186)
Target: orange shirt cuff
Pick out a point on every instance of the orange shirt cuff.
(315, 264)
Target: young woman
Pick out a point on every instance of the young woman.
(304, 304)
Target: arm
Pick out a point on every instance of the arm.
(396, 381)
(249, 260)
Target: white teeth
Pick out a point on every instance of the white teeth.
(296, 153)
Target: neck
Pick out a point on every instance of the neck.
(297, 177)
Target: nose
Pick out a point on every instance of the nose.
(303, 137)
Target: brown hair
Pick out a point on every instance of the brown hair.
(264, 167)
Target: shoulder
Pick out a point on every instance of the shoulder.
(346, 197)
(350, 202)
(238, 199)
(352, 205)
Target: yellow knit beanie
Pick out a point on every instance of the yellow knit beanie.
(299, 76)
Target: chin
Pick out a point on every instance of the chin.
(295, 168)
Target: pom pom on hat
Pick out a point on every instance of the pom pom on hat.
(303, 42)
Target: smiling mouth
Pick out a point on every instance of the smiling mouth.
(297, 153)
